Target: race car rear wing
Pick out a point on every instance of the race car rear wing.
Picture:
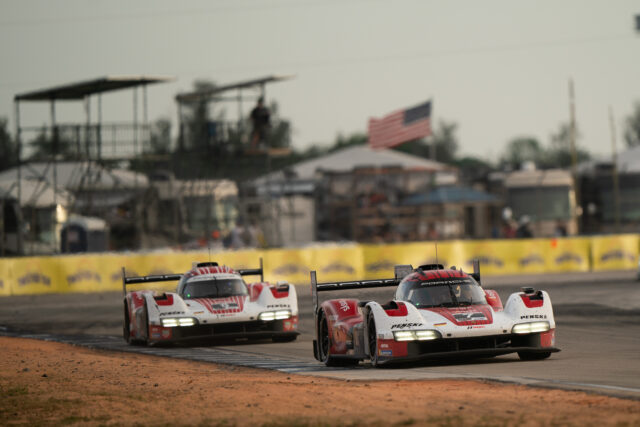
(253, 272)
(169, 277)
(400, 272)
(146, 279)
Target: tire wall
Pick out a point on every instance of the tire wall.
(103, 272)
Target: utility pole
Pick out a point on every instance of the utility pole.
(614, 161)
(574, 156)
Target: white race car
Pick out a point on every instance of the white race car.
(437, 313)
(211, 301)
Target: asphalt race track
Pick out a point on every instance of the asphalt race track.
(597, 316)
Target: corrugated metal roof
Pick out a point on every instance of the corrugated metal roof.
(79, 90)
(207, 94)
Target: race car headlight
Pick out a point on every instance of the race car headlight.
(530, 328)
(172, 322)
(275, 315)
(404, 336)
(416, 335)
(427, 335)
(186, 321)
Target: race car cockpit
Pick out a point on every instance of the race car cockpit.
(445, 292)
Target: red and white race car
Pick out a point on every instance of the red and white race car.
(436, 313)
(211, 301)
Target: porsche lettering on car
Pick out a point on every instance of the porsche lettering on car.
(436, 313)
(211, 301)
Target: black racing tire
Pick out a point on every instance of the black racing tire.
(525, 355)
(324, 343)
(372, 336)
(146, 339)
(126, 333)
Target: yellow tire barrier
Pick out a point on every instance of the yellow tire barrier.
(103, 272)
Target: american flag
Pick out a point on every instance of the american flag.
(400, 126)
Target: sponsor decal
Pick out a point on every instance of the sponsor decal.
(380, 266)
(84, 275)
(337, 267)
(460, 281)
(440, 324)
(534, 316)
(568, 257)
(384, 345)
(405, 325)
(227, 305)
(224, 305)
(171, 313)
(287, 269)
(344, 306)
(278, 306)
(386, 353)
(34, 279)
(616, 255)
(531, 259)
(466, 317)
(198, 312)
(475, 326)
(463, 316)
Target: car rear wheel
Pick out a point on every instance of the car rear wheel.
(324, 345)
(373, 340)
(525, 355)
(126, 333)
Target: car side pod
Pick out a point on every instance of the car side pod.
(321, 343)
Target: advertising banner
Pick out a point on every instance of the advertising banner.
(35, 275)
(6, 279)
(290, 265)
(337, 263)
(614, 252)
(567, 254)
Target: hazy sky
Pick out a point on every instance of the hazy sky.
(497, 68)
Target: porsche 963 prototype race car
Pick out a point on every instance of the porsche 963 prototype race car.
(211, 301)
(436, 313)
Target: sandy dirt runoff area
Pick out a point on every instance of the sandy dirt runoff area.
(46, 383)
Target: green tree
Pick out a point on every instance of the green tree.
(48, 145)
(559, 153)
(521, 150)
(632, 127)
(473, 168)
(446, 142)
(8, 147)
(280, 133)
(160, 138)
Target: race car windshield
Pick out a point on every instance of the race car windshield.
(214, 288)
(450, 293)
